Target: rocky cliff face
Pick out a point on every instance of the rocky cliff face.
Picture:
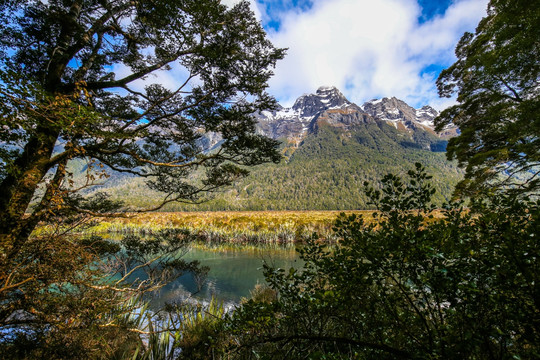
(326, 97)
(295, 122)
(397, 111)
(329, 105)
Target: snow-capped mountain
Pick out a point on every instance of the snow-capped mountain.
(296, 121)
(330, 105)
(326, 97)
(396, 111)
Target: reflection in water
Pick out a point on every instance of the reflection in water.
(233, 273)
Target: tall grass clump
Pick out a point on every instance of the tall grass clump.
(260, 227)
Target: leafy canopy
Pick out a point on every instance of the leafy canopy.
(451, 284)
(71, 89)
(496, 80)
(83, 86)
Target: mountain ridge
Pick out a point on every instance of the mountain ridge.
(331, 146)
(328, 103)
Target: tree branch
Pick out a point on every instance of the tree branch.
(99, 85)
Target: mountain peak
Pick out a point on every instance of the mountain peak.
(396, 110)
(330, 92)
(329, 105)
(325, 89)
(326, 97)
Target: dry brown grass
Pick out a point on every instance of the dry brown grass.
(244, 226)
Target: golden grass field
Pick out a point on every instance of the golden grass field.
(252, 226)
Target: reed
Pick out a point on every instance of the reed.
(256, 227)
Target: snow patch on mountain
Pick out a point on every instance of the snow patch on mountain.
(329, 104)
(395, 110)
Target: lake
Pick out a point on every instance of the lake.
(234, 272)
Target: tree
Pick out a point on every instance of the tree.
(413, 284)
(72, 297)
(496, 78)
(63, 98)
(71, 95)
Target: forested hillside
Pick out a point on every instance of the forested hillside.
(330, 147)
(326, 172)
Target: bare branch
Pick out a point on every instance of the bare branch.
(98, 85)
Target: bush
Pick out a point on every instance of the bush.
(417, 283)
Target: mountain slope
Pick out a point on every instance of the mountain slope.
(331, 147)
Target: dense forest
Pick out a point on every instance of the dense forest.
(326, 172)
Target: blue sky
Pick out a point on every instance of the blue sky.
(273, 8)
(367, 48)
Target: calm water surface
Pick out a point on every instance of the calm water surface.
(233, 272)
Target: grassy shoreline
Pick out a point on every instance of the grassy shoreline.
(227, 226)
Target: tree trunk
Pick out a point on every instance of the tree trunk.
(17, 190)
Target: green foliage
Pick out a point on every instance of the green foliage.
(61, 101)
(326, 172)
(51, 305)
(496, 80)
(200, 332)
(82, 298)
(64, 105)
(411, 285)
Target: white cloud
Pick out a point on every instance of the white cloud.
(368, 48)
